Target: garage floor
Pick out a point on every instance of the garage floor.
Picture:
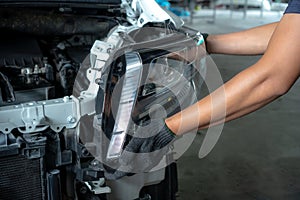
(258, 156)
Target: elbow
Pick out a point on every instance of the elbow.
(280, 88)
(277, 82)
(275, 86)
(280, 91)
(283, 90)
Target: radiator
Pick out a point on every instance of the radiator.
(22, 178)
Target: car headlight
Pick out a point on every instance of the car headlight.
(141, 76)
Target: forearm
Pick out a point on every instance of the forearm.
(269, 78)
(249, 42)
(243, 94)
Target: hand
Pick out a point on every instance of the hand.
(144, 149)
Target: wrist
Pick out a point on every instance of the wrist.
(205, 37)
(170, 126)
(169, 131)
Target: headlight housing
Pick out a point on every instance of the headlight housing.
(145, 73)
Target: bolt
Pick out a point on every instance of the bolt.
(83, 190)
(99, 81)
(71, 119)
(95, 163)
(85, 152)
(66, 99)
(141, 20)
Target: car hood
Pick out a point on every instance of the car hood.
(62, 3)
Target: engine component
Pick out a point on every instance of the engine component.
(17, 172)
(54, 185)
(28, 74)
(19, 50)
(7, 91)
(40, 23)
(19, 169)
(40, 54)
(38, 116)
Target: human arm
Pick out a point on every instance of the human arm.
(253, 41)
(269, 78)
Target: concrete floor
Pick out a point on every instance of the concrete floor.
(257, 156)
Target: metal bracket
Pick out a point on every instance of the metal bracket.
(95, 186)
(38, 116)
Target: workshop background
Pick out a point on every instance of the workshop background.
(258, 156)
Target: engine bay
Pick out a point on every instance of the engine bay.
(41, 52)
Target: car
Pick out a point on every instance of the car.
(75, 73)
